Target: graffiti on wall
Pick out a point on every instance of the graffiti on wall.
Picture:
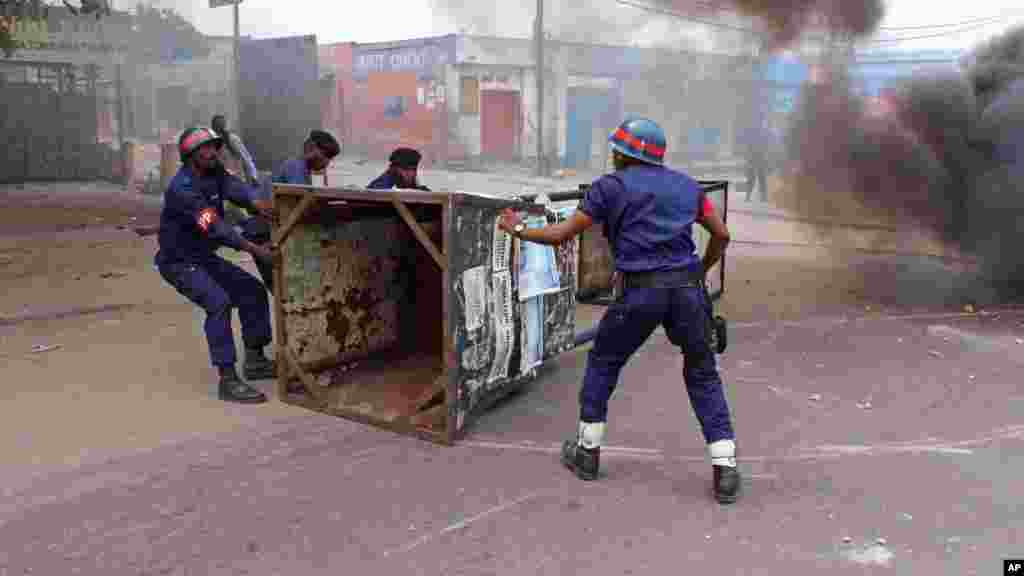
(422, 57)
(63, 34)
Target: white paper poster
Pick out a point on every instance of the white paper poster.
(501, 249)
(474, 287)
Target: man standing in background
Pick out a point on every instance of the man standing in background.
(753, 135)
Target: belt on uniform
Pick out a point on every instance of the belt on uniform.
(675, 278)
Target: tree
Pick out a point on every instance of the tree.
(166, 35)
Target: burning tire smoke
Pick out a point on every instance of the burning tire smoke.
(937, 152)
(784, 20)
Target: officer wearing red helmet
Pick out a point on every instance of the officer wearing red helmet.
(648, 211)
(192, 228)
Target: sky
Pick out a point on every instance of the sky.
(382, 20)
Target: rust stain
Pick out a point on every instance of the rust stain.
(338, 324)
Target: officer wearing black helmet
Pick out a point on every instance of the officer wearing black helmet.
(648, 212)
(401, 173)
(192, 228)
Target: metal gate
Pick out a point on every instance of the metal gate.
(50, 122)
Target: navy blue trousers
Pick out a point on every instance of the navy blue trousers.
(217, 286)
(628, 323)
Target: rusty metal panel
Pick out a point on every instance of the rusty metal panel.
(343, 288)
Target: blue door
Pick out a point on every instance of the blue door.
(587, 109)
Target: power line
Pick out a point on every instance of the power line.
(926, 36)
(949, 25)
(686, 17)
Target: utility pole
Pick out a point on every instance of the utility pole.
(539, 48)
(237, 75)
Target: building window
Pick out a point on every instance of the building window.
(394, 107)
(470, 100)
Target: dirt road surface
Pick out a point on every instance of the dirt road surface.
(877, 426)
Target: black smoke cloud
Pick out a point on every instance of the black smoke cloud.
(942, 153)
(782, 21)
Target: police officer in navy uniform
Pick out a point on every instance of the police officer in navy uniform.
(648, 212)
(318, 150)
(401, 173)
(192, 228)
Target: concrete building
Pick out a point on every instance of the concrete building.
(399, 96)
(470, 97)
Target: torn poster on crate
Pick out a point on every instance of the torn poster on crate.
(502, 320)
(501, 248)
(474, 288)
(538, 269)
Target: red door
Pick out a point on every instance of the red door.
(500, 122)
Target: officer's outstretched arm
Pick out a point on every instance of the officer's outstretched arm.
(711, 222)
(552, 234)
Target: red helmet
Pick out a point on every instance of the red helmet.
(192, 138)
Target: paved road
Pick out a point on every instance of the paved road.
(924, 481)
(138, 471)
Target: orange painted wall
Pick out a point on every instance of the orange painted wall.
(377, 133)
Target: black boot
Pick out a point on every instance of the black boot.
(258, 366)
(233, 389)
(582, 461)
(727, 484)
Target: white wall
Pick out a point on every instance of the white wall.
(513, 59)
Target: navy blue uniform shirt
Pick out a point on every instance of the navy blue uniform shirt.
(294, 171)
(386, 182)
(192, 223)
(648, 214)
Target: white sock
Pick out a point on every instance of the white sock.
(591, 434)
(723, 453)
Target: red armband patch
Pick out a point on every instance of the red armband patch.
(707, 208)
(206, 218)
